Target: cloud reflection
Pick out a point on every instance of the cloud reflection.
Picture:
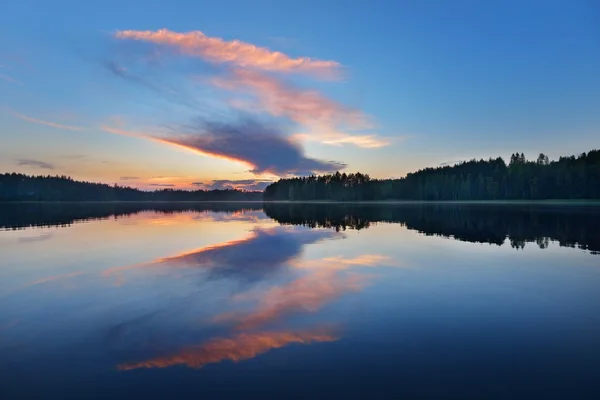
(237, 348)
(264, 251)
(342, 263)
(306, 294)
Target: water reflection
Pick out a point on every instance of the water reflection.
(570, 225)
(263, 251)
(306, 294)
(319, 293)
(237, 348)
(23, 215)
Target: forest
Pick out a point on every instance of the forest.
(19, 215)
(572, 226)
(20, 187)
(568, 178)
(521, 179)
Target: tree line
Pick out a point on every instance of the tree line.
(571, 226)
(20, 187)
(521, 179)
(18, 215)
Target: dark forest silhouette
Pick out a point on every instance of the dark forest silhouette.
(39, 214)
(568, 178)
(19, 187)
(571, 226)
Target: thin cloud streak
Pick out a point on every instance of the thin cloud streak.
(47, 123)
(340, 263)
(35, 163)
(235, 52)
(445, 163)
(245, 184)
(10, 79)
(38, 238)
(54, 278)
(74, 156)
(166, 92)
(238, 348)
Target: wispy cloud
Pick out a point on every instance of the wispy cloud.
(162, 184)
(245, 184)
(309, 108)
(234, 52)
(10, 79)
(74, 156)
(342, 263)
(166, 92)
(35, 163)
(54, 278)
(47, 123)
(443, 164)
(129, 178)
(38, 238)
(264, 148)
(237, 348)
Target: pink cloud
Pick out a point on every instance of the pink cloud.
(235, 52)
(309, 108)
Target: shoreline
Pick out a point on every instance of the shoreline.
(595, 202)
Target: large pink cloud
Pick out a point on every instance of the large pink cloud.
(235, 52)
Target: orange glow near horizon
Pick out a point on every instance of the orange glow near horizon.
(124, 132)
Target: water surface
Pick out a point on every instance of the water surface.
(288, 300)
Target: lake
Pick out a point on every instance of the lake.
(232, 300)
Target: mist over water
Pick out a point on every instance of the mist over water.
(224, 300)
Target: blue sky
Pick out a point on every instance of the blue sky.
(93, 91)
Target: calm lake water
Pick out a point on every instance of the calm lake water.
(218, 301)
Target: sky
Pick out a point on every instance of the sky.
(204, 94)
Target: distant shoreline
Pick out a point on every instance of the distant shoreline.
(593, 202)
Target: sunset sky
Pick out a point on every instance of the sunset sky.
(215, 94)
